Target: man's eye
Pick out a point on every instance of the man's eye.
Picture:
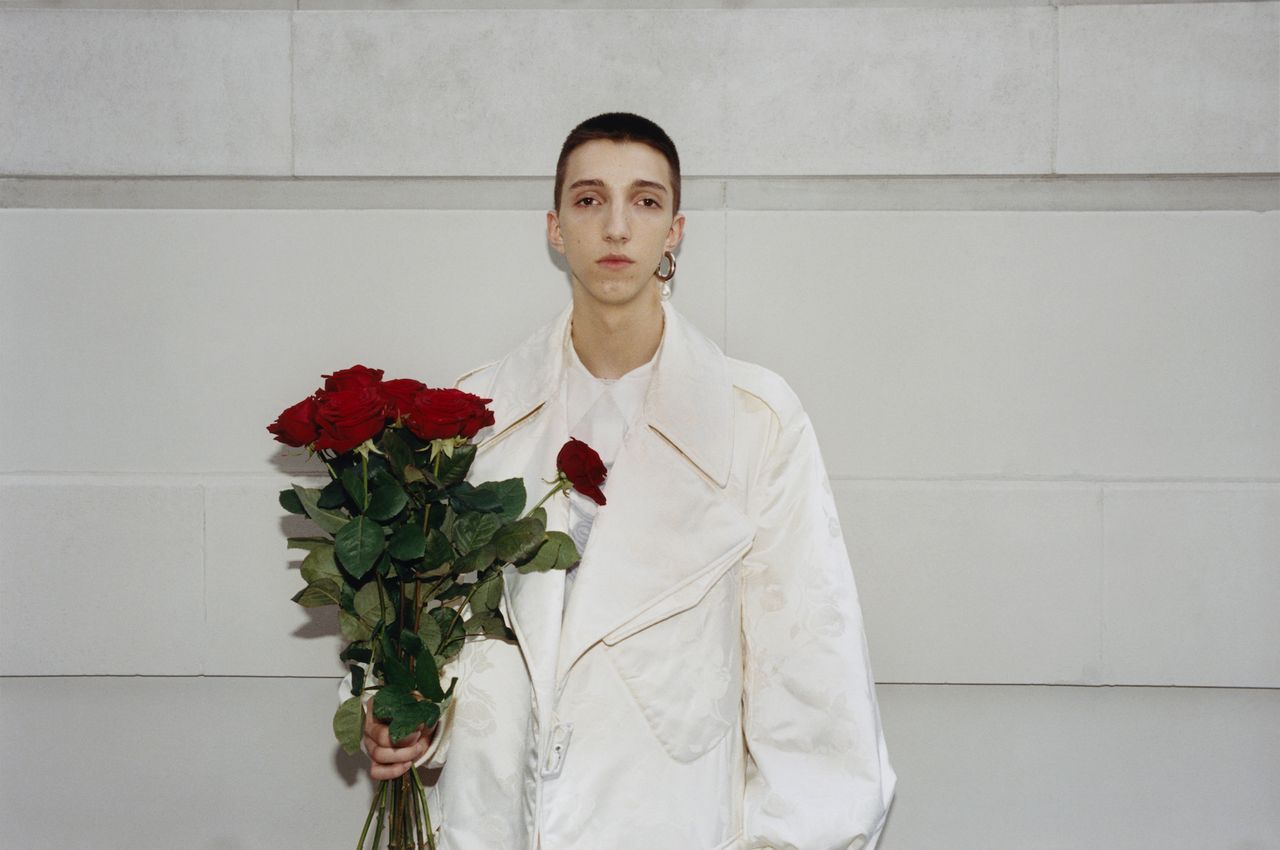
(587, 201)
(650, 202)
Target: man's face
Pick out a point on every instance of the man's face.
(615, 220)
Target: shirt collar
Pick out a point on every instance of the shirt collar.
(689, 400)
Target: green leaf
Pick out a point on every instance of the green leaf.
(353, 628)
(394, 671)
(357, 679)
(426, 678)
(454, 469)
(464, 498)
(487, 594)
(387, 501)
(290, 502)
(353, 482)
(429, 631)
(439, 550)
(398, 451)
(359, 543)
(319, 563)
(411, 641)
(511, 496)
(477, 559)
(324, 591)
(519, 540)
(368, 605)
(491, 626)
(557, 553)
(348, 724)
(408, 543)
(330, 521)
(472, 530)
(403, 711)
(451, 629)
(357, 651)
(309, 543)
(332, 496)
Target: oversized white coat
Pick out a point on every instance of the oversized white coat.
(708, 686)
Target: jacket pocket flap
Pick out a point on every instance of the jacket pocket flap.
(680, 597)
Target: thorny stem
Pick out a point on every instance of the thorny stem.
(426, 810)
(373, 807)
(561, 484)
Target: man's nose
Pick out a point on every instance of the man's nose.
(618, 224)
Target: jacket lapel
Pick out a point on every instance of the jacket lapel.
(667, 523)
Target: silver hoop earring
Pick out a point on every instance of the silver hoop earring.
(665, 291)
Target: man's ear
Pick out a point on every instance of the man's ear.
(553, 231)
(676, 232)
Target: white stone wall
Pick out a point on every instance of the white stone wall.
(1020, 260)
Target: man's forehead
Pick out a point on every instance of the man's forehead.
(607, 162)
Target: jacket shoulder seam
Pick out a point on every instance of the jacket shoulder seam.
(466, 375)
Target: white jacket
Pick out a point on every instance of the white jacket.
(709, 686)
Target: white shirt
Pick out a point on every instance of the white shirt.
(600, 412)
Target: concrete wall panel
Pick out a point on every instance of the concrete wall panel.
(210, 763)
(1158, 88)
(1193, 584)
(1032, 768)
(1058, 345)
(966, 582)
(252, 626)
(100, 577)
(144, 92)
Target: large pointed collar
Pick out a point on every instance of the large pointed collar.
(689, 400)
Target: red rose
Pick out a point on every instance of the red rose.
(354, 378)
(399, 395)
(582, 466)
(346, 418)
(440, 414)
(296, 426)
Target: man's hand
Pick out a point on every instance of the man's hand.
(390, 760)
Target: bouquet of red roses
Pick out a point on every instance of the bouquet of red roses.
(412, 553)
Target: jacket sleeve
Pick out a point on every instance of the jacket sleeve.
(817, 771)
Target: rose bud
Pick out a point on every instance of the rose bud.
(579, 463)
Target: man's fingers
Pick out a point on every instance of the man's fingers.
(380, 772)
(381, 735)
(397, 755)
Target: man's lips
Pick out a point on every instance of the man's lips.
(615, 261)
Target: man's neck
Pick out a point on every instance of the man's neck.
(611, 341)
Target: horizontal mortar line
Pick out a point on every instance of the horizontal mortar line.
(552, 5)
(196, 478)
(953, 192)
(1101, 480)
(336, 676)
(1077, 685)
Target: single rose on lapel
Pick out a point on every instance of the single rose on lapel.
(441, 414)
(296, 426)
(580, 464)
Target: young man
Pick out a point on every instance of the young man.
(700, 680)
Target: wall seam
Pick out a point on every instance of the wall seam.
(293, 112)
(1103, 583)
(1057, 89)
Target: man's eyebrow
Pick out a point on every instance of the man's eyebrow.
(595, 183)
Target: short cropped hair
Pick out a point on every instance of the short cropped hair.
(621, 127)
